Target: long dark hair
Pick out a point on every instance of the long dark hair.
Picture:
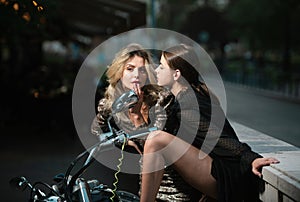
(184, 58)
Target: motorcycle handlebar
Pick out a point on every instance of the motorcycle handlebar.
(107, 140)
(124, 136)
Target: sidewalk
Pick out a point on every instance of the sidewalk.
(282, 181)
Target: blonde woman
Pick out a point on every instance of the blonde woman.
(132, 69)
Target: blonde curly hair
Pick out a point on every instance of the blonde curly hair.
(115, 70)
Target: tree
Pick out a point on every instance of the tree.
(24, 26)
(267, 25)
(208, 26)
(171, 14)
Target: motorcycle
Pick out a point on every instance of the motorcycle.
(74, 188)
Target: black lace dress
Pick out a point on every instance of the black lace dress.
(232, 159)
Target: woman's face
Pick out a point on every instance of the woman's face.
(134, 73)
(165, 75)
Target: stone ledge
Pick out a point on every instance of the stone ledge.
(285, 176)
(282, 181)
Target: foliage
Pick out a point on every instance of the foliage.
(24, 25)
(266, 24)
(172, 13)
(209, 21)
(22, 18)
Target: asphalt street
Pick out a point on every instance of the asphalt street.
(264, 111)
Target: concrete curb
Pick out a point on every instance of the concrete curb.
(281, 181)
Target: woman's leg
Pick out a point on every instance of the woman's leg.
(192, 164)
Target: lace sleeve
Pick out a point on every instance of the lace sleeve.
(231, 147)
(161, 109)
(99, 124)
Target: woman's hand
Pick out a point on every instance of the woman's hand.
(135, 112)
(137, 107)
(258, 163)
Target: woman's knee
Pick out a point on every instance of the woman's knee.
(157, 140)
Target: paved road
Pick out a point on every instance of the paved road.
(40, 160)
(265, 112)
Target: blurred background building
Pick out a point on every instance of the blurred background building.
(43, 43)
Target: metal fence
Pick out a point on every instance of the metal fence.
(269, 78)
